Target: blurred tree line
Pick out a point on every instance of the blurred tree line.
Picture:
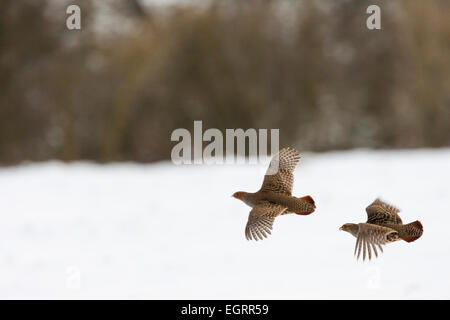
(117, 88)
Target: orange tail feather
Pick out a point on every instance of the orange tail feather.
(304, 213)
(418, 228)
(308, 199)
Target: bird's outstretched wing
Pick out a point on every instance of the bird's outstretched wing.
(260, 220)
(279, 176)
(370, 237)
(380, 213)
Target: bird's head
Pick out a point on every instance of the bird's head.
(239, 195)
(350, 228)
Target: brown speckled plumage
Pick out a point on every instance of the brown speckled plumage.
(383, 225)
(274, 197)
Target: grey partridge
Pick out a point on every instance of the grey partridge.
(274, 198)
(383, 225)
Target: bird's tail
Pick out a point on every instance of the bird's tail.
(309, 199)
(412, 231)
(305, 206)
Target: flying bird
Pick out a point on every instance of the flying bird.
(383, 225)
(274, 198)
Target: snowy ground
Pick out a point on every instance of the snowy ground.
(162, 231)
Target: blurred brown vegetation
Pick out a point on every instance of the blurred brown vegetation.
(116, 89)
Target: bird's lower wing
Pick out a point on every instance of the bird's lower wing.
(260, 220)
(372, 236)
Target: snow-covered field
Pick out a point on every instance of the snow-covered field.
(162, 231)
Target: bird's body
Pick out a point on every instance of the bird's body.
(274, 198)
(383, 225)
(292, 204)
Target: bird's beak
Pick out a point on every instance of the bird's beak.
(340, 228)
